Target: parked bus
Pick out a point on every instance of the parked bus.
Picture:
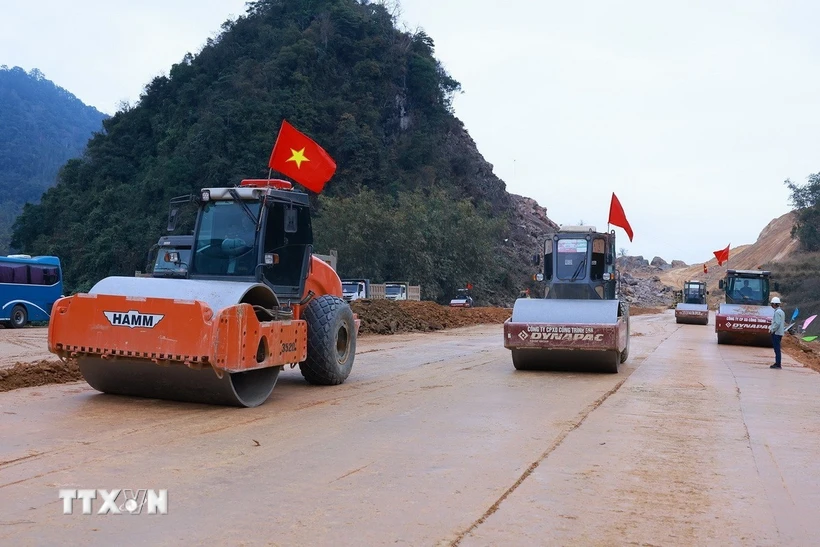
(29, 286)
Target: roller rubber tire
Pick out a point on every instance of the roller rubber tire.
(331, 341)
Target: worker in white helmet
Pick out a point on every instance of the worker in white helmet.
(776, 329)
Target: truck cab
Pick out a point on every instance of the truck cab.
(395, 291)
(355, 289)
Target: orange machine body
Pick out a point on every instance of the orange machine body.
(169, 331)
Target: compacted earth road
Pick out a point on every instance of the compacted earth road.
(435, 439)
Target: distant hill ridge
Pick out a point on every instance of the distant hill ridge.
(41, 127)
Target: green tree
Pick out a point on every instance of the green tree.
(806, 201)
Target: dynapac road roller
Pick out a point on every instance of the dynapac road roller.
(745, 317)
(255, 300)
(580, 324)
(693, 308)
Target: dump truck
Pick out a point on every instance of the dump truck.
(692, 308)
(355, 289)
(580, 323)
(394, 290)
(462, 299)
(253, 301)
(745, 317)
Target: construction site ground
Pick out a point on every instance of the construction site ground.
(435, 439)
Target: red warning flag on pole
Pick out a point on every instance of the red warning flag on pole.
(618, 217)
(722, 255)
(297, 156)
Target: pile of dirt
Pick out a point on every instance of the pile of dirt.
(638, 310)
(389, 317)
(39, 374)
(807, 354)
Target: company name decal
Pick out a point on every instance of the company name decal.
(133, 319)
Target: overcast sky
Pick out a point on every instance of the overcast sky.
(693, 113)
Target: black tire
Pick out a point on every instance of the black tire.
(19, 317)
(612, 365)
(519, 361)
(331, 341)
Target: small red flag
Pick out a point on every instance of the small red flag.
(704, 268)
(722, 255)
(297, 156)
(618, 217)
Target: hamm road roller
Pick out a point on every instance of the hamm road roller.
(693, 308)
(580, 324)
(745, 317)
(254, 300)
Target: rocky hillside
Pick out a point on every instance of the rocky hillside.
(773, 244)
(428, 207)
(652, 283)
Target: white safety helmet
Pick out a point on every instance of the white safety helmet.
(775, 300)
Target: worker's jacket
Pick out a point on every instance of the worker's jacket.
(778, 322)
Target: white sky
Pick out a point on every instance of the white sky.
(693, 112)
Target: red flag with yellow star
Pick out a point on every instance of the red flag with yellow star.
(296, 156)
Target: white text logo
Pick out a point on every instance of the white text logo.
(133, 319)
(116, 502)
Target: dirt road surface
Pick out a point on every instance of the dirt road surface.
(24, 345)
(436, 440)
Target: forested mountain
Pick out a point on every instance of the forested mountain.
(412, 198)
(41, 127)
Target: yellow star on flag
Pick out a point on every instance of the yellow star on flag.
(298, 157)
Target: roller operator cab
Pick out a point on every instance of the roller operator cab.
(693, 308)
(580, 323)
(253, 300)
(745, 317)
(463, 299)
(170, 257)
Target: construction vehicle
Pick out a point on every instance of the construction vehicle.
(745, 317)
(254, 300)
(462, 299)
(159, 263)
(692, 308)
(580, 324)
(394, 290)
(355, 289)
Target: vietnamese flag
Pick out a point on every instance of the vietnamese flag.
(722, 255)
(618, 217)
(297, 156)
